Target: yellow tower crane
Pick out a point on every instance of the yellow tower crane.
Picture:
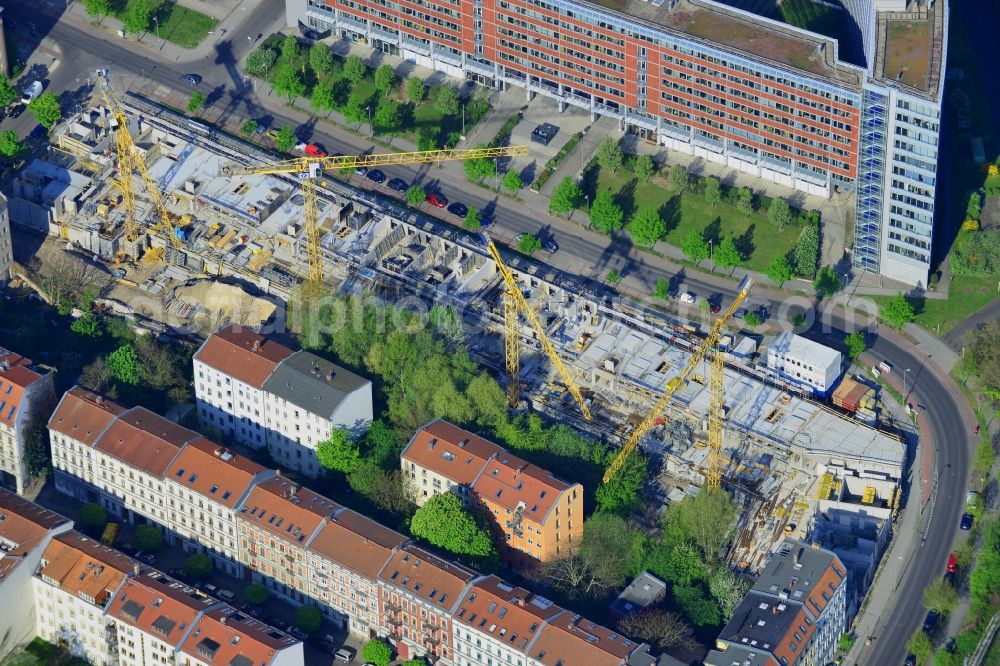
(129, 161)
(307, 169)
(710, 345)
(514, 304)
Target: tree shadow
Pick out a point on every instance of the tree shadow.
(588, 180)
(215, 95)
(305, 131)
(625, 198)
(713, 232)
(670, 212)
(916, 297)
(744, 242)
(528, 173)
(341, 91)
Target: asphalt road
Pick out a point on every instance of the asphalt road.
(589, 254)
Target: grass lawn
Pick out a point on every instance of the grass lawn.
(965, 296)
(180, 25)
(755, 236)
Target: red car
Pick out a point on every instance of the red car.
(952, 564)
(437, 200)
(315, 151)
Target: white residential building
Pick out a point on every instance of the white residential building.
(26, 392)
(804, 362)
(263, 394)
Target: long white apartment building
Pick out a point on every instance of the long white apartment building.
(26, 392)
(262, 393)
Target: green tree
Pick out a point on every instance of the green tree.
(512, 181)
(339, 452)
(713, 191)
(920, 646)
(779, 270)
(827, 282)
(416, 661)
(377, 652)
(256, 594)
(288, 82)
(805, 256)
(614, 277)
(123, 363)
(679, 178)
(37, 453)
(100, 8)
(136, 17)
(415, 195)
(744, 201)
(699, 608)
(248, 127)
(427, 139)
(354, 69)
(528, 244)
(779, 213)
(479, 168)
(415, 90)
(260, 61)
(322, 98)
(382, 444)
(8, 93)
(290, 50)
(679, 563)
(662, 290)
(388, 119)
(644, 167)
(565, 196)
(320, 59)
(613, 551)
(940, 596)
(620, 494)
(605, 214)
(974, 208)
(609, 154)
(10, 144)
(728, 590)
(727, 255)
(86, 326)
(751, 319)
(385, 78)
(355, 111)
(897, 312)
(93, 515)
(856, 343)
(473, 220)
(446, 102)
(197, 102)
(286, 139)
(46, 109)
(694, 246)
(647, 226)
(199, 566)
(846, 642)
(443, 522)
(148, 537)
(705, 520)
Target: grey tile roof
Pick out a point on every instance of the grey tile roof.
(312, 383)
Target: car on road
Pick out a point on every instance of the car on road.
(688, 297)
(459, 209)
(931, 621)
(550, 246)
(344, 654)
(312, 150)
(967, 521)
(361, 171)
(398, 185)
(191, 79)
(16, 110)
(437, 200)
(376, 176)
(148, 558)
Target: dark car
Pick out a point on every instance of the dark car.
(911, 660)
(458, 208)
(550, 246)
(397, 185)
(192, 79)
(931, 621)
(714, 307)
(16, 110)
(437, 200)
(966, 523)
(376, 176)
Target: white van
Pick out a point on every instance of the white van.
(33, 90)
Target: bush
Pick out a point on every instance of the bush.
(148, 537)
(308, 619)
(255, 594)
(199, 566)
(377, 652)
(93, 515)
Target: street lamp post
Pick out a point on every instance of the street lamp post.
(904, 384)
(156, 21)
(370, 126)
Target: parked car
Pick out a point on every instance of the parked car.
(298, 633)
(967, 521)
(437, 200)
(192, 79)
(550, 246)
(911, 660)
(931, 621)
(33, 90)
(376, 176)
(344, 654)
(226, 595)
(459, 209)
(398, 185)
(313, 150)
(952, 565)
(688, 297)
(361, 171)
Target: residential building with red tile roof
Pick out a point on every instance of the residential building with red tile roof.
(73, 586)
(224, 637)
(264, 394)
(345, 559)
(572, 639)
(26, 530)
(419, 593)
(535, 516)
(795, 612)
(26, 394)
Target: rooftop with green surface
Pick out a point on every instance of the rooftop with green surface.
(910, 46)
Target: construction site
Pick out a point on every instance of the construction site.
(205, 229)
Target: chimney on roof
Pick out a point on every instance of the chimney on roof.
(255, 346)
(432, 443)
(798, 555)
(518, 601)
(135, 568)
(462, 444)
(223, 619)
(292, 489)
(100, 400)
(774, 609)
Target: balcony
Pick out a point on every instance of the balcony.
(395, 621)
(392, 608)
